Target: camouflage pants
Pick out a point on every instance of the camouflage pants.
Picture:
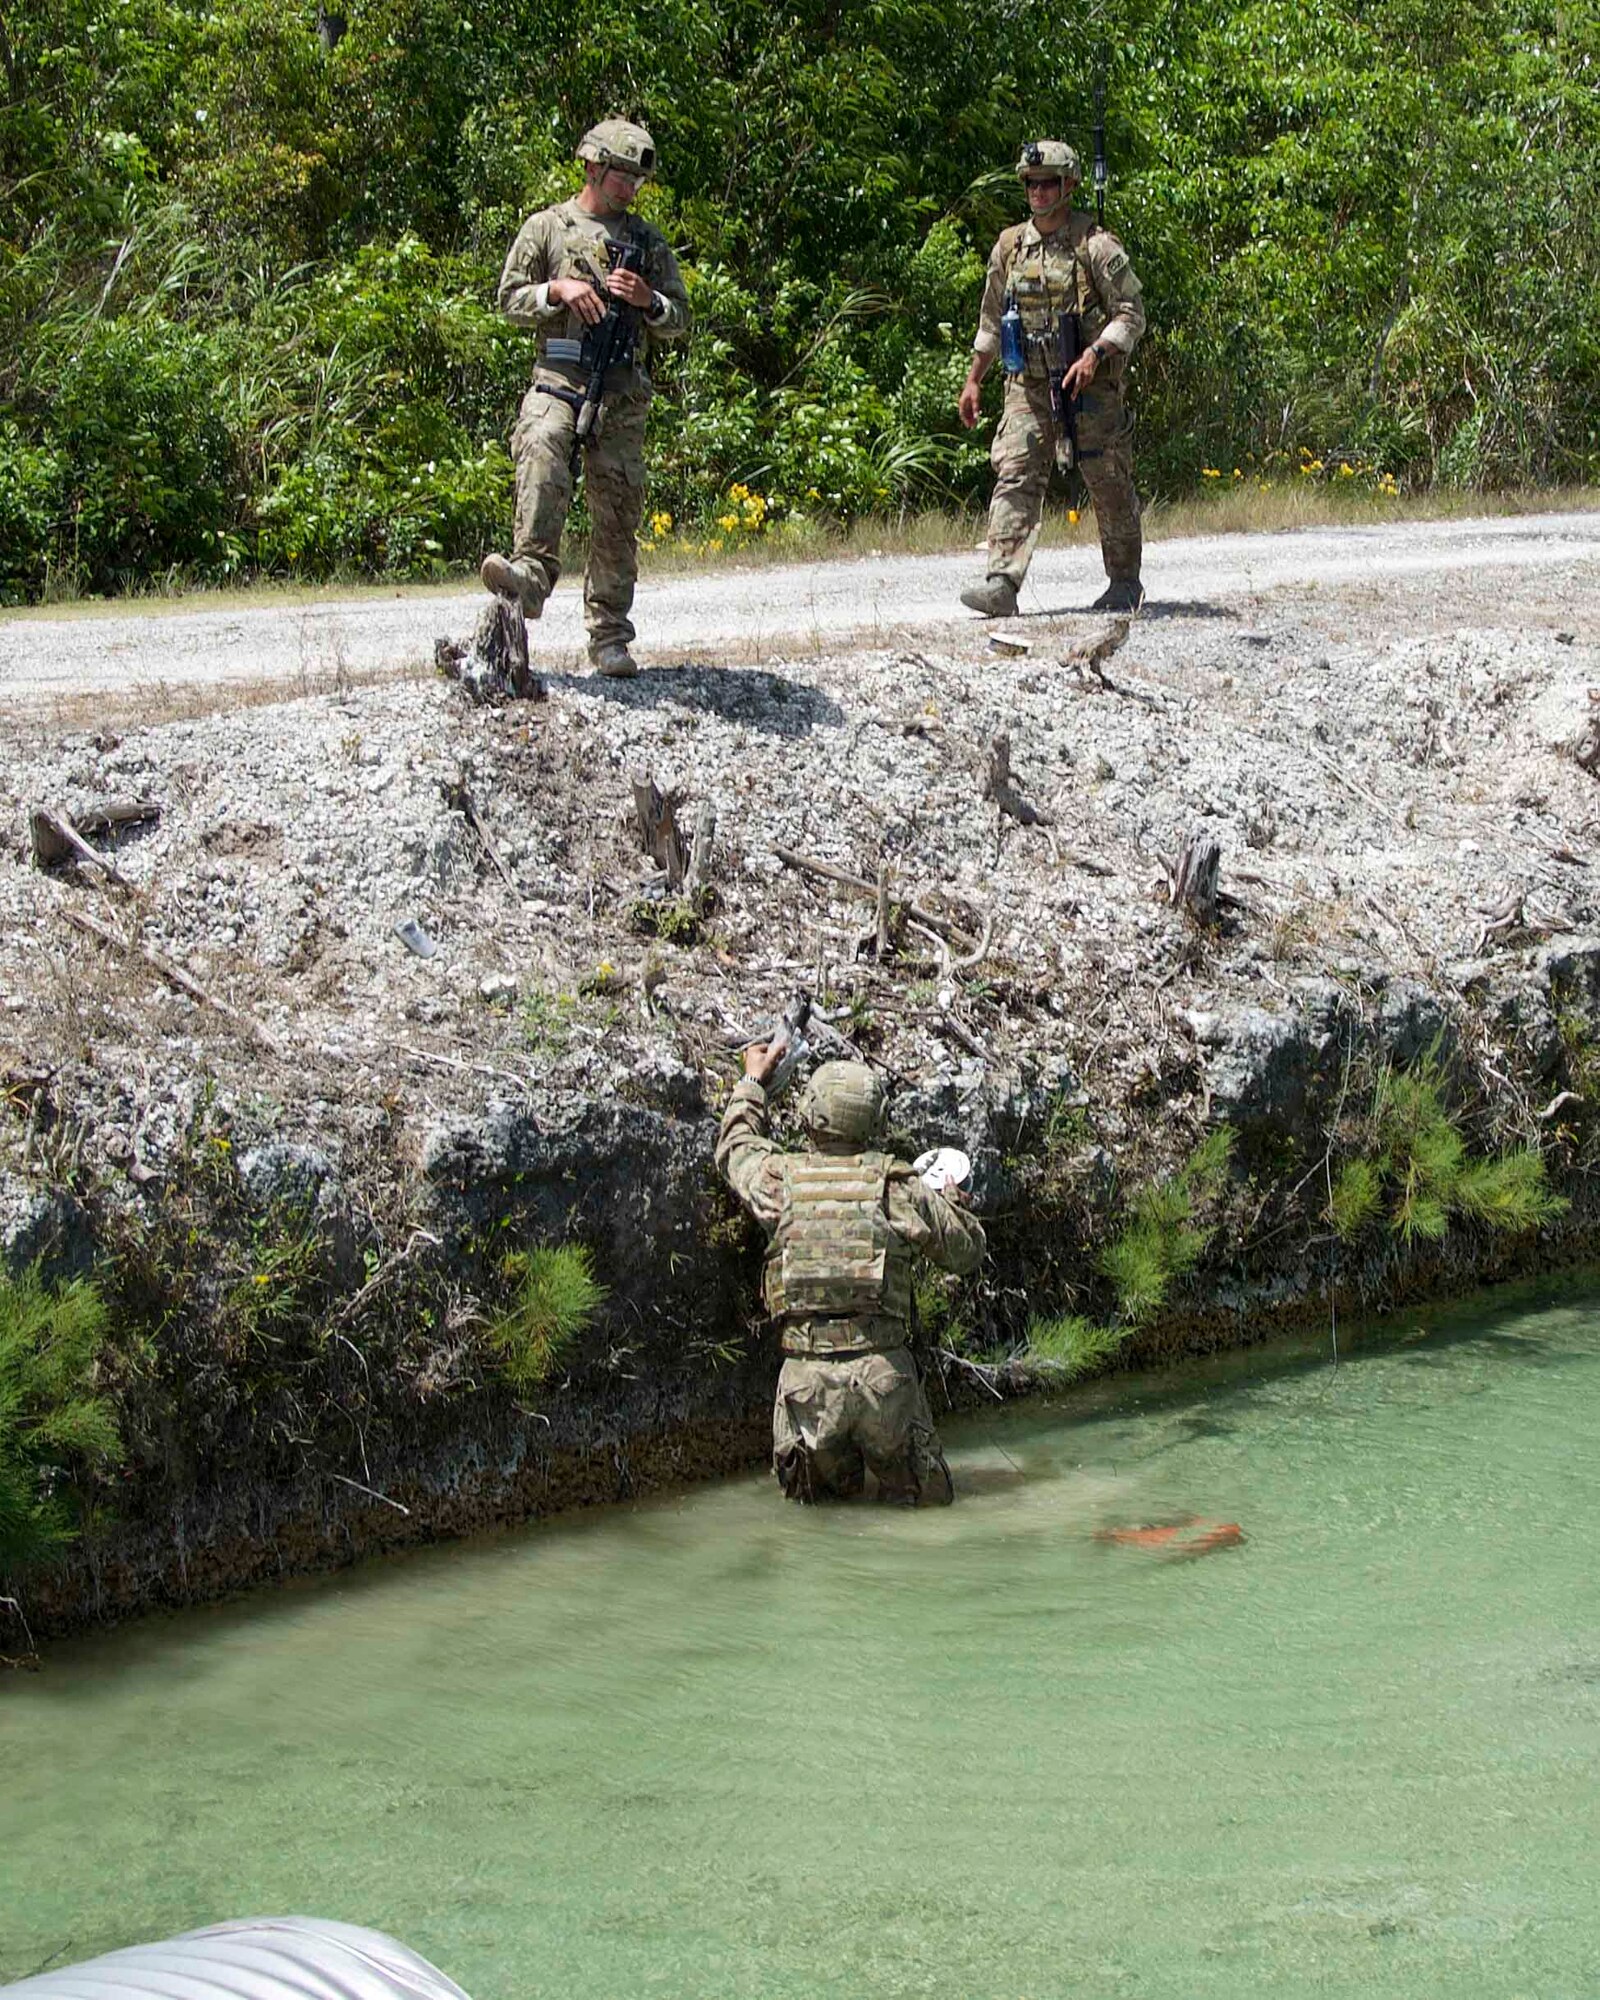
(1023, 456)
(613, 472)
(835, 1420)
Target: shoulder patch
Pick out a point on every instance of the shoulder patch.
(1116, 264)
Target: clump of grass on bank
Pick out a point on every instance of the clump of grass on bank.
(1416, 1172)
(556, 1295)
(1160, 1243)
(51, 1420)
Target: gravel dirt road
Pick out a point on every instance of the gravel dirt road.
(65, 666)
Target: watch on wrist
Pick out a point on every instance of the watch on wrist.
(1100, 353)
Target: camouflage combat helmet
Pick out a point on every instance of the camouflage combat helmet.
(616, 143)
(1049, 160)
(843, 1101)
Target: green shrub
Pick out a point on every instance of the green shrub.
(1069, 1346)
(1161, 1243)
(137, 419)
(556, 1296)
(1417, 1160)
(32, 490)
(51, 1420)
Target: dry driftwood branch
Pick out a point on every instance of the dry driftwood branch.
(1000, 786)
(1559, 1103)
(460, 800)
(658, 830)
(55, 836)
(1193, 880)
(806, 865)
(967, 960)
(705, 837)
(959, 1034)
(372, 1492)
(175, 975)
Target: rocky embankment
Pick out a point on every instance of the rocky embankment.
(385, 989)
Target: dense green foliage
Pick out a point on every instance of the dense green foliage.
(247, 271)
(1415, 1165)
(51, 1419)
(556, 1295)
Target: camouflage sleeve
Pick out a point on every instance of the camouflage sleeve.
(933, 1225)
(1120, 292)
(746, 1158)
(530, 265)
(987, 338)
(663, 273)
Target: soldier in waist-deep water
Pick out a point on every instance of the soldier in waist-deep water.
(1058, 261)
(557, 282)
(847, 1223)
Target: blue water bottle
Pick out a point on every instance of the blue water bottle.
(1013, 345)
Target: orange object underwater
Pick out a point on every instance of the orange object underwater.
(1175, 1540)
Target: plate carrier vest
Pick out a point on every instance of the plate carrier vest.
(834, 1256)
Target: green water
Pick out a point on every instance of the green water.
(722, 1747)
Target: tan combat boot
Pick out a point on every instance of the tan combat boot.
(512, 579)
(613, 659)
(995, 598)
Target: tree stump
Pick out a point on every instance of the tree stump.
(698, 876)
(1195, 880)
(659, 831)
(495, 666)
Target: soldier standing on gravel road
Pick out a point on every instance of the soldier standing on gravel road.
(846, 1223)
(558, 283)
(1058, 261)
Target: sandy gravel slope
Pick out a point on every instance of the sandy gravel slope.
(743, 616)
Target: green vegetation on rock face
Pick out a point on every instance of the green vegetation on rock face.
(1159, 1244)
(556, 1296)
(247, 272)
(51, 1418)
(1415, 1169)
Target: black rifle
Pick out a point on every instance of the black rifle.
(609, 343)
(1100, 145)
(1064, 408)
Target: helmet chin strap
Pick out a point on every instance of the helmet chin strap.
(1062, 202)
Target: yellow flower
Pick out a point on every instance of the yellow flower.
(660, 524)
(1237, 473)
(1073, 516)
(1345, 470)
(727, 523)
(1209, 472)
(714, 543)
(738, 493)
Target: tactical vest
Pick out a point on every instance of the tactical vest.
(566, 344)
(1049, 276)
(837, 1277)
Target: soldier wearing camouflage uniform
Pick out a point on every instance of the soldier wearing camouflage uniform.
(557, 283)
(1058, 261)
(847, 1223)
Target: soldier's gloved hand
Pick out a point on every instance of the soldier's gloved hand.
(579, 296)
(761, 1059)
